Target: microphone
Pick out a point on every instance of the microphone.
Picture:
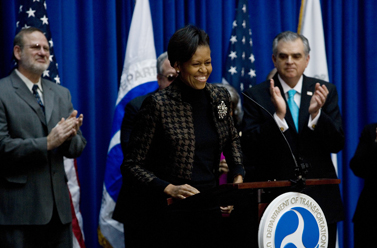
(301, 169)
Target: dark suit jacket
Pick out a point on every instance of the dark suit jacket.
(364, 165)
(31, 177)
(162, 146)
(128, 122)
(268, 157)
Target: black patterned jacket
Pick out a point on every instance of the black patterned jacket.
(162, 143)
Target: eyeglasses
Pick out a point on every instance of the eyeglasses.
(170, 77)
(37, 47)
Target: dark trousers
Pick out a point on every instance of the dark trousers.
(170, 229)
(364, 234)
(52, 235)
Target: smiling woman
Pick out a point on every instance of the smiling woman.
(196, 71)
(174, 152)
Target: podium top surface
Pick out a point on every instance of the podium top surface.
(228, 188)
(279, 184)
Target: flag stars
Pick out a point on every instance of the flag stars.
(252, 73)
(252, 59)
(233, 39)
(44, 20)
(233, 55)
(26, 26)
(240, 71)
(20, 9)
(46, 73)
(51, 57)
(232, 70)
(30, 12)
(57, 79)
(51, 43)
(17, 23)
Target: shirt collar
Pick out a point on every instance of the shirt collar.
(29, 83)
(286, 87)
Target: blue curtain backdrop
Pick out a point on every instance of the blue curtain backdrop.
(90, 38)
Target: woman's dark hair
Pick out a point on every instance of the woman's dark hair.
(184, 42)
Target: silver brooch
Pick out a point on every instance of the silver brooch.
(222, 110)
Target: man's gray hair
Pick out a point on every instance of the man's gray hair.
(19, 38)
(160, 62)
(289, 36)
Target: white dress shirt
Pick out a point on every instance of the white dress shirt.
(283, 125)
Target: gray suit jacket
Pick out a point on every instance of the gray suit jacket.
(32, 178)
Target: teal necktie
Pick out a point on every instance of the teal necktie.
(293, 107)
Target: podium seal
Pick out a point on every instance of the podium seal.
(293, 220)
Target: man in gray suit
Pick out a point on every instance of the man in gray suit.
(38, 126)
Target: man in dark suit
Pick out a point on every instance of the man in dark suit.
(364, 165)
(165, 75)
(316, 134)
(38, 126)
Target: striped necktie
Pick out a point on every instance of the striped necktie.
(37, 96)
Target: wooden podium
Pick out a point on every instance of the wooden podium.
(247, 199)
(227, 191)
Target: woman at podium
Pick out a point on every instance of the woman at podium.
(174, 152)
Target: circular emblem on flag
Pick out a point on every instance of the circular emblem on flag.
(293, 220)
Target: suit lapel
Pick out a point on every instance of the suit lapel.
(214, 101)
(288, 115)
(24, 93)
(306, 95)
(48, 96)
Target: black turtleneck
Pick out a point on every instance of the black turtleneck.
(206, 138)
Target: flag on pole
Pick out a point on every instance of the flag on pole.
(34, 14)
(138, 78)
(310, 25)
(239, 68)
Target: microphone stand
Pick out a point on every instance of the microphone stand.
(301, 169)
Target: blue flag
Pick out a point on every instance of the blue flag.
(239, 68)
(138, 78)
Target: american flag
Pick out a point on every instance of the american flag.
(33, 13)
(239, 68)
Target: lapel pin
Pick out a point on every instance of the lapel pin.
(309, 93)
(222, 110)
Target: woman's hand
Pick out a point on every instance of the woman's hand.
(226, 210)
(238, 179)
(223, 167)
(180, 191)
